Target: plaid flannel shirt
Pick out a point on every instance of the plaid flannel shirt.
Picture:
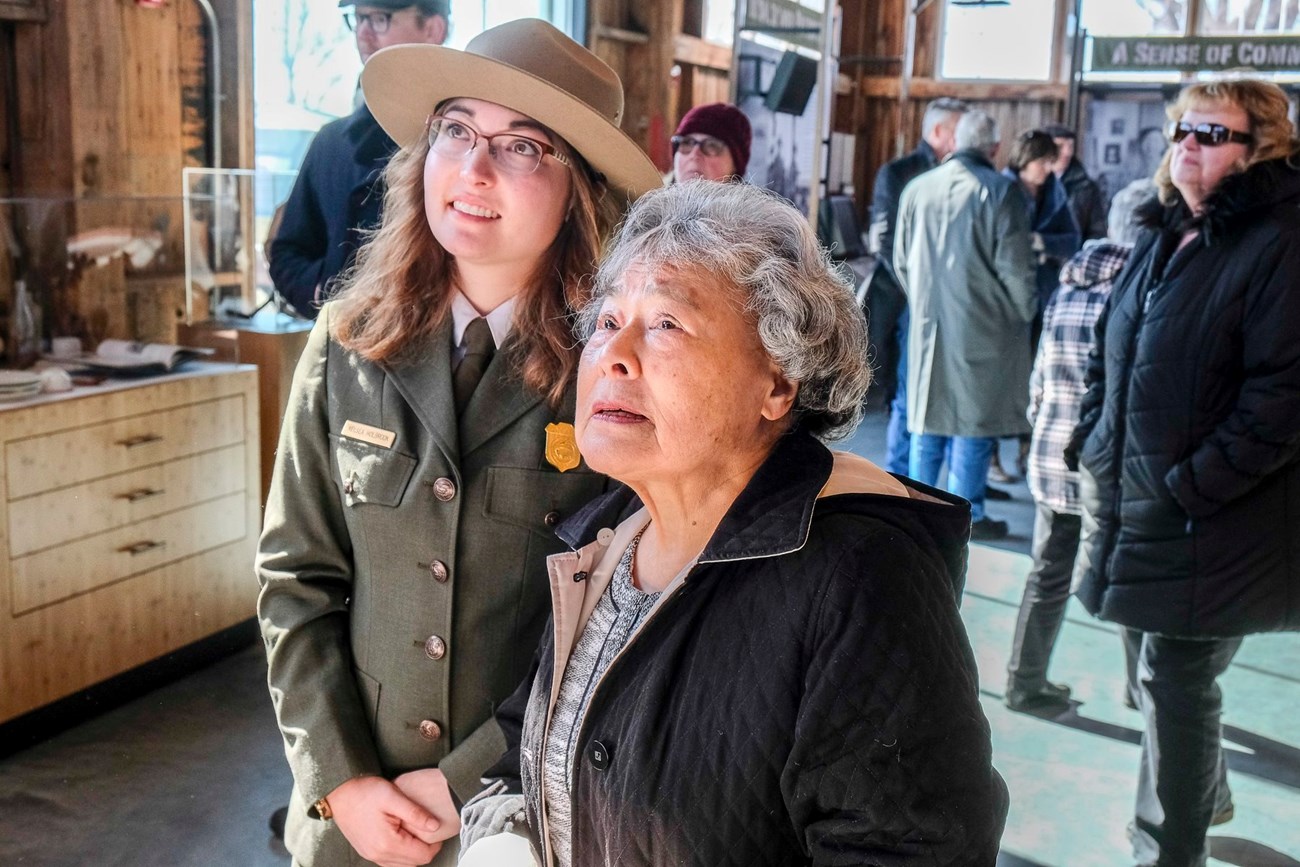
(1056, 385)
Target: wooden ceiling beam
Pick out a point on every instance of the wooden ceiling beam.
(887, 87)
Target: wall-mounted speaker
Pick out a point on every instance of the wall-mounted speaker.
(792, 83)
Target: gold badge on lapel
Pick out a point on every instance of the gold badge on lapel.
(562, 446)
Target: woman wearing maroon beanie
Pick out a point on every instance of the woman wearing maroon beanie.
(712, 143)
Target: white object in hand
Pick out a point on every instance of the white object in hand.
(500, 850)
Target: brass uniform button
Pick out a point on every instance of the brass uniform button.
(551, 518)
(444, 489)
(430, 730)
(435, 647)
(439, 571)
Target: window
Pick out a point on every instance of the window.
(1010, 41)
(1133, 18)
(719, 21)
(306, 68)
(1170, 17)
(471, 17)
(306, 65)
(1249, 16)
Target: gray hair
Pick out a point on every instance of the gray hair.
(977, 130)
(939, 110)
(804, 310)
(1120, 224)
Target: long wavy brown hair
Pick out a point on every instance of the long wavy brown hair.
(398, 294)
(1263, 102)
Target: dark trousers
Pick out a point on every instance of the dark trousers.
(1047, 590)
(1182, 781)
(1131, 639)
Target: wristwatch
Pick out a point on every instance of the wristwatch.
(323, 810)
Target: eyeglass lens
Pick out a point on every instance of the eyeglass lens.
(378, 21)
(686, 144)
(1206, 134)
(514, 154)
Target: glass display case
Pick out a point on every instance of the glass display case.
(229, 215)
(89, 268)
(133, 267)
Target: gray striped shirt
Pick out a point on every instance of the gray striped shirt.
(616, 618)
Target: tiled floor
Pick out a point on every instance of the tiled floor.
(1072, 779)
(188, 774)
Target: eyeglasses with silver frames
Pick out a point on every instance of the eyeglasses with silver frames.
(512, 153)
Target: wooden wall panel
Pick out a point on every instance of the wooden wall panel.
(707, 86)
(98, 100)
(151, 99)
(665, 66)
(44, 106)
(22, 10)
(235, 18)
(195, 85)
(8, 122)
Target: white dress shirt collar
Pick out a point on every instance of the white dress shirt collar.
(500, 321)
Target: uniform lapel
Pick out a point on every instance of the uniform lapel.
(500, 398)
(426, 386)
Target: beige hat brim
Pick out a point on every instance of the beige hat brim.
(404, 83)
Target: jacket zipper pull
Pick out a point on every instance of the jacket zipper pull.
(1151, 296)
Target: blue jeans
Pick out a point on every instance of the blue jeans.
(897, 440)
(968, 465)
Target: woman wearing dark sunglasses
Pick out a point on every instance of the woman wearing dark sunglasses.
(1189, 443)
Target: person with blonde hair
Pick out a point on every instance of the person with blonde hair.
(1189, 442)
(428, 448)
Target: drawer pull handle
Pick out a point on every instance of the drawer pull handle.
(140, 547)
(140, 494)
(140, 440)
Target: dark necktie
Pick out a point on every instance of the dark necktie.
(479, 348)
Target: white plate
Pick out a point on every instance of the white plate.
(15, 379)
(10, 396)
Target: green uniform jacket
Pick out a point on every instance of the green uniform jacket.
(404, 586)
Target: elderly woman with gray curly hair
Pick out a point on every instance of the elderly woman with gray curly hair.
(756, 656)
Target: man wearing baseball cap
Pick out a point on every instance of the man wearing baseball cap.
(337, 196)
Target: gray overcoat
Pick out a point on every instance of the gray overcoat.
(963, 256)
(402, 567)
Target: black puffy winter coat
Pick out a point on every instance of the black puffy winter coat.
(1190, 431)
(806, 697)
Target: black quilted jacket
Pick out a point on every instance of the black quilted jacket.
(1191, 462)
(808, 696)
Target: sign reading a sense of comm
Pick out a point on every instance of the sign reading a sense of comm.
(1195, 53)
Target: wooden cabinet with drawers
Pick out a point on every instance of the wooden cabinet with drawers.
(129, 516)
